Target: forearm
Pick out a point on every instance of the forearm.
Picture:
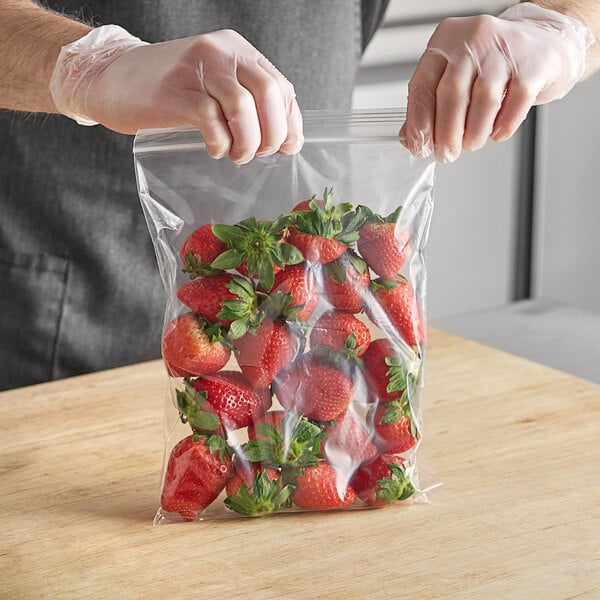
(588, 12)
(30, 41)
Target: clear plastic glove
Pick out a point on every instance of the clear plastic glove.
(480, 76)
(240, 102)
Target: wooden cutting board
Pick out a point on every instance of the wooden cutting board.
(517, 446)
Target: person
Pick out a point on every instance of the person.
(80, 288)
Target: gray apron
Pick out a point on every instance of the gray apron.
(79, 287)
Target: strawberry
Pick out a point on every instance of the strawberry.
(298, 280)
(383, 481)
(348, 443)
(196, 473)
(224, 298)
(199, 250)
(256, 490)
(383, 243)
(317, 489)
(194, 410)
(263, 354)
(233, 398)
(387, 372)
(395, 426)
(284, 440)
(258, 244)
(314, 387)
(193, 346)
(341, 331)
(394, 302)
(324, 231)
(345, 281)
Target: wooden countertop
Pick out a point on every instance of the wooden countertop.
(516, 444)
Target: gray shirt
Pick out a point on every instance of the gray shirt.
(79, 286)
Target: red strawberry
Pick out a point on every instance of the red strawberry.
(197, 471)
(324, 231)
(263, 354)
(395, 427)
(224, 298)
(383, 243)
(383, 481)
(205, 296)
(244, 474)
(243, 269)
(398, 303)
(345, 281)
(387, 371)
(232, 398)
(347, 442)
(198, 251)
(317, 489)
(192, 346)
(298, 281)
(341, 331)
(314, 387)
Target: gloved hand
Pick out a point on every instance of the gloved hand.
(480, 76)
(219, 82)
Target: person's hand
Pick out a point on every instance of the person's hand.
(480, 76)
(240, 102)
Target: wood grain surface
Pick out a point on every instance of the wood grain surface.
(517, 446)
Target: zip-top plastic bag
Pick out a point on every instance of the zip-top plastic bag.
(295, 330)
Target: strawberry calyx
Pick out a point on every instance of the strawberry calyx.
(401, 378)
(369, 216)
(190, 405)
(260, 244)
(350, 352)
(298, 445)
(196, 267)
(388, 284)
(336, 270)
(397, 410)
(397, 486)
(328, 220)
(242, 312)
(216, 443)
(266, 496)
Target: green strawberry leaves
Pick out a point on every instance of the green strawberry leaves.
(299, 446)
(260, 244)
(195, 267)
(266, 496)
(395, 487)
(396, 410)
(190, 404)
(243, 312)
(400, 378)
(329, 220)
(336, 270)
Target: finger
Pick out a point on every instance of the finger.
(520, 97)
(270, 106)
(452, 102)
(420, 111)
(240, 112)
(486, 99)
(295, 136)
(205, 112)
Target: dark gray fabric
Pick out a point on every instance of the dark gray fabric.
(79, 287)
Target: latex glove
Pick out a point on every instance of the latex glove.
(219, 82)
(480, 76)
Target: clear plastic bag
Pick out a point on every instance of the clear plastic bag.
(294, 333)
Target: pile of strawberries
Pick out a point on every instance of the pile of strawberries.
(311, 310)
